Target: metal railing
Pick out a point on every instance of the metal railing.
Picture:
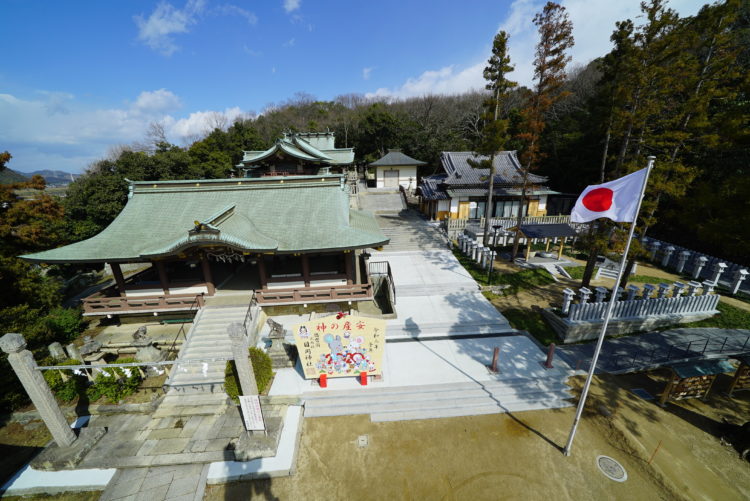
(454, 226)
(196, 305)
(696, 348)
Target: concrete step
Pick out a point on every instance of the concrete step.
(399, 331)
(466, 411)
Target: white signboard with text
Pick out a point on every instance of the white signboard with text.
(251, 412)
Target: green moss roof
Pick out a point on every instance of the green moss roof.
(291, 214)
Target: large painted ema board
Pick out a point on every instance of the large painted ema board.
(340, 346)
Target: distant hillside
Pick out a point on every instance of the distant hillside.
(55, 177)
(9, 176)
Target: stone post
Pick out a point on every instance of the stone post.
(699, 264)
(486, 263)
(601, 293)
(473, 249)
(460, 241)
(242, 359)
(692, 287)
(478, 254)
(648, 289)
(708, 287)
(585, 294)
(56, 351)
(618, 293)
(654, 249)
(567, 299)
(667, 254)
(739, 276)
(74, 353)
(678, 288)
(663, 288)
(682, 258)
(24, 365)
(718, 271)
(632, 292)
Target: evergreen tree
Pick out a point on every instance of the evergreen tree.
(555, 40)
(494, 134)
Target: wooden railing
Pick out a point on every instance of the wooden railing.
(145, 304)
(356, 292)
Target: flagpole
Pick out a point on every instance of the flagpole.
(608, 314)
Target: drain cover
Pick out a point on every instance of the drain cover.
(611, 468)
(363, 441)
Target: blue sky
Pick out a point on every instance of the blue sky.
(78, 78)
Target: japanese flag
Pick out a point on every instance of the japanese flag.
(616, 200)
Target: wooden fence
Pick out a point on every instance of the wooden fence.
(682, 305)
(145, 304)
(356, 292)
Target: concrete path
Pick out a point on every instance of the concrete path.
(172, 483)
(385, 201)
(657, 349)
(408, 231)
(436, 297)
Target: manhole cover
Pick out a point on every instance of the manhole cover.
(363, 441)
(611, 468)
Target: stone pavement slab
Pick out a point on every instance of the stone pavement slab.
(158, 483)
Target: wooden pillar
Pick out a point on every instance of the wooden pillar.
(306, 269)
(348, 268)
(560, 250)
(163, 276)
(546, 241)
(119, 279)
(528, 248)
(207, 275)
(262, 272)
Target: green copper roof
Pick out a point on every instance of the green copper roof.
(272, 214)
(299, 146)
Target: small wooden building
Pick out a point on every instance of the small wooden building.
(396, 169)
(693, 379)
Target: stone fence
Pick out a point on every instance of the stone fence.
(698, 265)
(637, 311)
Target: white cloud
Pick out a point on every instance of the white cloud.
(233, 10)
(291, 5)
(199, 123)
(165, 21)
(593, 23)
(366, 72)
(40, 138)
(251, 52)
(289, 43)
(157, 101)
(443, 81)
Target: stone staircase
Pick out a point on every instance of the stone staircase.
(382, 202)
(409, 232)
(207, 339)
(443, 400)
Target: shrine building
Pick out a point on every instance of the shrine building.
(297, 153)
(292, 240)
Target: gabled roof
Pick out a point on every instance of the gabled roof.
(508, 170)
(298, 145)
(548, 230)
(430, 187)
(394, 158)
(272, 214)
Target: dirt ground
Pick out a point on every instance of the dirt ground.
(519, 456)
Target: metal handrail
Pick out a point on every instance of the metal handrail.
(383, 268)
(679, 353)
(196, 302)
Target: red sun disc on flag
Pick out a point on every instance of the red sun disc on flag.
(598, 200)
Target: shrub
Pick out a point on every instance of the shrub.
(115, 383)
(262, 368)
(68, 388)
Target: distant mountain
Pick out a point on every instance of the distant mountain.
(8, 176)
(55, 177)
